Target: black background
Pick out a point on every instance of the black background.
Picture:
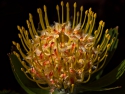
(13, 13)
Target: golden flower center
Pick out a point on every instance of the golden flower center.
(63, 54)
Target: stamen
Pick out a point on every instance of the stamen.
(77, 18)
(81, 9)
(108, 47)
(72, 87)
(38, 62)
(102, 47)
(57, 8)
(46, 17)
(31, 78)
(88, 77)
(18, 56)
(74, 19)
(32, 24)
(62, 4)
(22, 69)
(22, 54)
(102, 58)
(93, 24)
(42, 87)
(41, 18)
(86, 13)
(88, 21)
(98, 31)
(24, 64)
(104, 38)
(103, 24)
(82, 76)
(24, 39)
(23, 43)
(30, 30)
(102, 63)
(67, 5)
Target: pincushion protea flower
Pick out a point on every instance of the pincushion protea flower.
(62, 55)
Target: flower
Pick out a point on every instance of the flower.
(63, 54)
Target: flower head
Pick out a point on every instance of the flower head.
(63, 54)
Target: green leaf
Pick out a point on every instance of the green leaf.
(99, 75)
(16, 67)
(111, 76)
(29, 86)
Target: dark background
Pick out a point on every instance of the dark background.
(13, 13)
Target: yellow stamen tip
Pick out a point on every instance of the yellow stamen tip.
(22, 69)
(17, 54)
(86, 12)
(67, 4)
(77, 13)
(106, 31)
(18, 27)
(72, 87)
(98, 58)
(90, 13)
(108, 46)
(95, 15)
(75, 4)
(107, 35)
(95, 32)
(81, 8)
(44, 8)
(23, 28)
(101, 22)
(38, 10)
(19, 36)
(90, 22)
(90, 70)
(30, 15)
(90, 10)
(62, 3)
(18, 46)
(98, 46)
(14, 43)
(27, 21)
(57, 7)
